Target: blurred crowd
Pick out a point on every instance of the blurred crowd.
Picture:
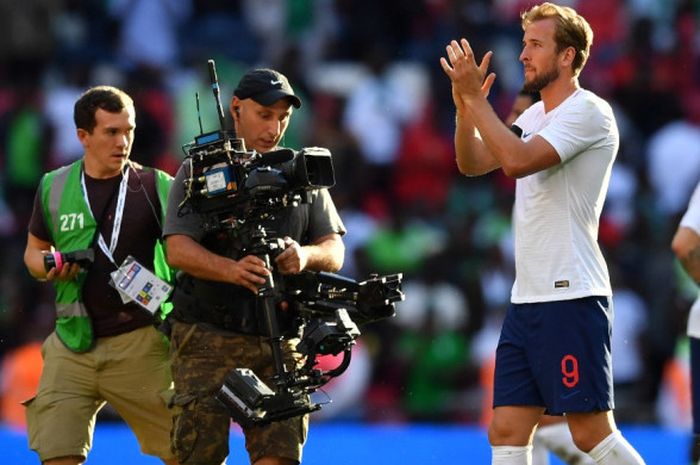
(375, 95)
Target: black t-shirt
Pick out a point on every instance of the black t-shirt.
(304, 223)
(139, 231)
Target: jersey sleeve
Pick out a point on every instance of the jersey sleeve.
(578, 127)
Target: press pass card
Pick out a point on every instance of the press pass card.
(136, 282)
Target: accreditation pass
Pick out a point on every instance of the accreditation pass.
(139, 284)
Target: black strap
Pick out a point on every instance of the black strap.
(98, 219)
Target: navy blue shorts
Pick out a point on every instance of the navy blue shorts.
(556, 355)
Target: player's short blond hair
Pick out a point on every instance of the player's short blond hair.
(572, 30)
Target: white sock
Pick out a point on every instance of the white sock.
(511, 455)
(615, 450)
(557, 438)
(540, 452)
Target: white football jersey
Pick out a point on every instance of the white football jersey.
(557, 210)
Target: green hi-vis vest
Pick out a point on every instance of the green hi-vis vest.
(72, 227)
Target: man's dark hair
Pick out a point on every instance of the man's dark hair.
(107, 98)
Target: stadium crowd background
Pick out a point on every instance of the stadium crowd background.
(375, 95)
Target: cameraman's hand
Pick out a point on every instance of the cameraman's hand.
(68, 272)
(293, 259)
(250, 272)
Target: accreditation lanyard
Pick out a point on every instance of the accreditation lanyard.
(118, 215)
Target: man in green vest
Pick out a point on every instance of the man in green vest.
(96, 226)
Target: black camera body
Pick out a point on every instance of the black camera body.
(237, 191)
(57, 259)
(229, 184)
(223, 167)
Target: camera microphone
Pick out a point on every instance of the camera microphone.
(215, 89)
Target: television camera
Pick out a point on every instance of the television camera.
(237, 191)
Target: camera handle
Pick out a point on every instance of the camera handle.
(266, 301)
(263, 248)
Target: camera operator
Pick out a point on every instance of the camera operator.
(215, 327)
(102, 208)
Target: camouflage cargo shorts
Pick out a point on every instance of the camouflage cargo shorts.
(201, 359)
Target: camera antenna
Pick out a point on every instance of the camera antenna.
(215, 89)
(199, 114)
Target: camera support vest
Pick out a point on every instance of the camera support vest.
(72, 227)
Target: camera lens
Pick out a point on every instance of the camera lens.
(54, 260)
(50, 261)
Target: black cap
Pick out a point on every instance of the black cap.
(265, 86)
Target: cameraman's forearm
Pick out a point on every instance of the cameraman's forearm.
(326, 254)
(187, 255)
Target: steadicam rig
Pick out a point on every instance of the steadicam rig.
(329, 307)
(236, 192)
